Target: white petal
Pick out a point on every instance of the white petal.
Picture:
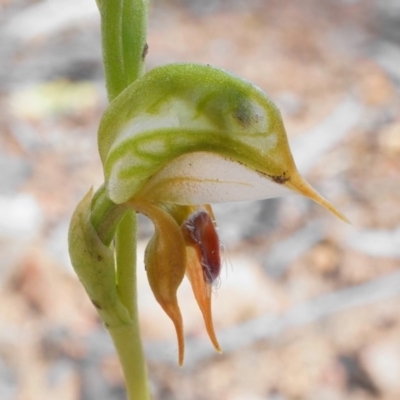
(200, 177)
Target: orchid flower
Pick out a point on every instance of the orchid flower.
(177, 139)
(172, 141)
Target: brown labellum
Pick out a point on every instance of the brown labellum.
(200, 229)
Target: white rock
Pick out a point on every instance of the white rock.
(382, 361)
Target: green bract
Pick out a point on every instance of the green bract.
(95, 266)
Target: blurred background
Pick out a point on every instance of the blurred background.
(307, 307)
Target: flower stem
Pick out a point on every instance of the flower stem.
(127, 341)
(119, 222)
(114, 71)
(123, 30)
(126, 338)
(125, 248)
(134, 32)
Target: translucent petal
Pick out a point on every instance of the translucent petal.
(200, 177)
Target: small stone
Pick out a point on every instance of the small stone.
(389, 139)
(382, 362)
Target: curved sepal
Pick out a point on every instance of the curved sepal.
(203, 261)
(202, 291)
(165, 261)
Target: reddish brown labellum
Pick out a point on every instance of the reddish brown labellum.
(201, 230)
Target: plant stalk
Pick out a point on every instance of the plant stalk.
(128, 344)
(124, 30)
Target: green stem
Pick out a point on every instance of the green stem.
(125, 248)
(116, 221)
(123, 32)
(114, 71)
(123, 29)
(127, 338)
(127, 341)
(134, 32)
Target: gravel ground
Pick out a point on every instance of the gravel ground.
(307, 307)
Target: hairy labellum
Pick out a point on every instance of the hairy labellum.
(202, 233)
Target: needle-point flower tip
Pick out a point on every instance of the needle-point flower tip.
(205, 307)
(301, 186)
(172, 310)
